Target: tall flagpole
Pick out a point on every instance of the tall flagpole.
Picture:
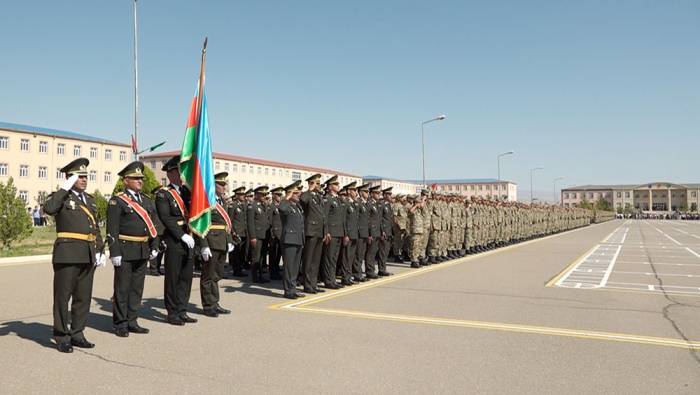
(136, 89)
(200, 92)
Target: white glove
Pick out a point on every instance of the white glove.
(117, 261)
(206, 254)
(230, 247)
(188, 240)
(154, 254)
(100, 260)
(70, 182)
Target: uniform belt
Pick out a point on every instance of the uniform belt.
(77, 236)
(223, 227)
(133, 238)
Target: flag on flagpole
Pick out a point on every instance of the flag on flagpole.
(432, 187)
(133, 145)
(197, 167)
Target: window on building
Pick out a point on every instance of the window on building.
(234, 184)
(267, 171)
(619, 194)
(163, 162)
(4, 142)
(216, 165)
(153, 165)
(42, 173)
(108, 154)
(471, 187)
(259, 171)
(59, 174)
(251, 170)
(258, 184)
(573, 195)
(108, 176)
(163, 182)
(60, 149)
(122, 156)
(234, 167)
(226, 166)
(481, 187)
(43, 147)
(636, 205)
(693, 194)
(243, 184)
(93, 153)
(636, 196)
(77, 151)
(607, 194)
(503, 187)
(24, 171)
(663, 195)
(627, 195)
(242, 168)
(619, 205)
(449, 188)
(645, 196)
(566, 195)
(24, 145)
(590, 195)
(93, 175)
(566, 204)
(24, 195)
(273, 172)
(673, 195)
(655, 195)
(3, 169)
(296, 176)
(682, 195)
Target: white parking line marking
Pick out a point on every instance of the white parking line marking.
(692, 252)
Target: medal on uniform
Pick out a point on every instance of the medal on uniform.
(72, 204)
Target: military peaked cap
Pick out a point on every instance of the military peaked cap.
(220, 178)
(78, 166)
(132, 170)
(316, 178)
(172, 163)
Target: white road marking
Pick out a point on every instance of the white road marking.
(692, 252)
(591, 272)
(672, 239)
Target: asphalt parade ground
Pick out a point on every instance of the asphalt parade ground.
(610, 308)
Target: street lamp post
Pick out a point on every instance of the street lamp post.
(499, 171)
(555, 189)
(422, 139)
(531, 170)
(136, 89)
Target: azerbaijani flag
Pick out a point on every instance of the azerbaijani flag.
(197, 167)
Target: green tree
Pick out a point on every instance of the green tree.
(604, 205)
(693, 207)
(101, 205)
(620, 210)
(585, 204)
(15, 222)
(683, 207)
(629, 209)
(149, 182)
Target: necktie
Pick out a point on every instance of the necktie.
(82, 199)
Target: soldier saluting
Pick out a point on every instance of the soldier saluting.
(171, 204)
(133, 224)
(76, 252)
(215, 246)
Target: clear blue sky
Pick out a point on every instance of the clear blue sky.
(595, 91)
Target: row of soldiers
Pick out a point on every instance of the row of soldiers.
(318, 235)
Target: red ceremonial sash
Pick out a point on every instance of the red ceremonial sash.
(225, 215)
(180, 203)
(142, 213)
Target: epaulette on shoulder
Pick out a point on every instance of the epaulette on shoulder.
(118, 193)
(87, 194)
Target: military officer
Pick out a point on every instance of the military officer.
(400, 223)
(172, 203)
(76, 252)
(333, 212)
(387, 226)
(275, 250)
(249, 195)
(351, 234)
(363, 238)
(375, 231)
(215, 246)
(291, 238)
(314, 232)
(258, 230)
(156, 263)
(237, 214)
(133, 224)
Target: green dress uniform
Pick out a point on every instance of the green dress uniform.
(375, 232)
(237, 213)
(352, 233)
(314, 232)
(333, 212)
(218, 240)
(133, 225)
(291, 241)
(387, 226)
(78, 241)
(258, 228)
(362, 234)
(179, 258)
(275, 249)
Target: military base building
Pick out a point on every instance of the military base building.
(647, 197)
(252, 173)
(479, 187)
(33, 157)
